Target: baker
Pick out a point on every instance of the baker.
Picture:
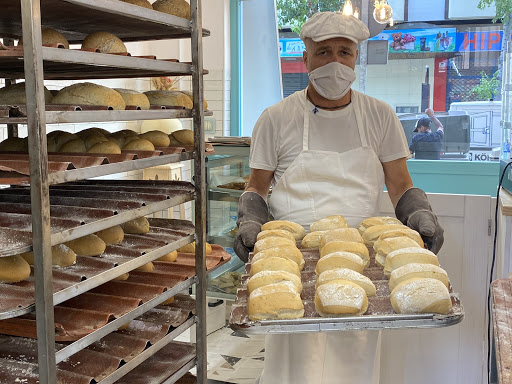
(328, 150)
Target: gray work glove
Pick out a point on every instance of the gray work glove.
(252, 214)
(413, 209)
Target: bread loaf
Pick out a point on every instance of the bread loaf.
(174, 142)
(140, 3)
(271, 277)
(117, 141)
(340, 297)
(275, 264)
(402, 232)
(373, 233)
(385, 246)
(93, 139)
(421, 295)
(170, 300)
(89, 94)
(62, 256)
(339, 260)
(15, 94)
(50, 37)
(132, 97)
(139, 145)
(104, 42)
(137, 226)
(62, 137)
(148, 267)
(312, 239)
(401, 257)
(330, 222)
(377, 220)
(296, 230)
(122, 277)
(84, 133)
(289, 252)
(341, 234)
(183, 136)
(191, 97)
(347, 246)
(90, 245)
(191, 248)
(170, 257)
(350, 275)
(157, 138)
(112, 235)
(73, 146)
(14, 144)
(275, 301)
(271, 242)
(108, 147)
(178, 8)
(13, 269)
(275, 233)
(415, 270)
(169, 98)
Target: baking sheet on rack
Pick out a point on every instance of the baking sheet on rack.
(380, 314)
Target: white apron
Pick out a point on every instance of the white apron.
(318, 184)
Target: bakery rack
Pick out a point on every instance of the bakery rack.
(76, 19)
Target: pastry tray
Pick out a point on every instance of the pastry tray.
(380, 314)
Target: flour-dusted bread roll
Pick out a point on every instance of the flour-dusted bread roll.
(402, 232)
(421, 295)
(350, 275)
(148, 267)
(132, 97)
(340, 297)
(104, 42)
(347, 246)
(330, 222)
(341, 234)
(108, 147)
(15, 94)
(183, 136)
(312, 239)
(112, 235)
(191, 97)
(340, 260)
(13, 269)
(138, 226)
(139, 145)
(169, 98)
(271, 277)
(50, 36)
(89, 94)
(14, 144)
(271, 242)
(296, 230)
(275, 264)
(170, 257)
(178, 8)
(287, 251)
(371, 235)
(191, 248)
(73, 146)
(158, 138)
(62, 256)
(401, 257)
(377, 220)
(140, 3)
(385, 246)
(90, 245)
(275, 301)
(275, 233)
(415, 270)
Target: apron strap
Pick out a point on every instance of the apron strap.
(305, 132)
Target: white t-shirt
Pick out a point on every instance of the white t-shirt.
(277, 135)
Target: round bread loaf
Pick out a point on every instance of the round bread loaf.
(371, 234)
(287, 251)
(402, 232)
(132, 97)
(191, 97)
(421, 295)
(129, 138)
(275, 264)
(169, 98)
(14, 144)
(350, 275)
(89, 94)
(275, 233)
(415, 270)
(50, 36)
(401, 257)
(170, 300)
(377, 220)
(15, 94)
(340, 260)
(62, 256)
(140, 3)
(119, 141)
(73, 146)
(297, 230)
(148, 267)
(92, 131)
(330, 222)
(170, 257)
(271, 242)
(123, 277)
(347, 246)
(90, 245)
(157, 138)
(139, 145)
(341, 234)
(105, 147)
(178, 8)
(104, 42)
(174, 142)
(271, 277)
(312, 239)
(62, 138)
(125, 133)
(275, 301)
(13, 269)
(191, 248)
(112, 235)
(138, 226)
(383, 247)
(184, 136)
(51, 144)
(340, 297)
(93, 139)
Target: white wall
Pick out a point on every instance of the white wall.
(467, 9)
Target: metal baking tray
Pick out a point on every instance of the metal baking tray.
(380, 314)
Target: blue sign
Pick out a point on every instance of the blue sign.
(419, 40)
(291, 47)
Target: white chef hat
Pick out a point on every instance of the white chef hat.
(328, 25)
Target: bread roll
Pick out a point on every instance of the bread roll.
(178, 8)
(73, 146)
(297, 230)
(89, 94)
(125, 133)
(117, 141)
(140, 3)
(275, 301)
(184, 136)
(191, 248)
(158, 138)
(330, 222)
(312, 239)
(174, 142)
(415, 270)
(385, 246)
(191, 97)
(51, 145)
(137, 226)
(122, 277)
(112, 235)
(129, 138)
(271, 277)
(168, 98)
(62, 256)
(350, 275)
(402, 232)
(170, 257)
(170, 300)
(15, 94)
(377, 220)
(132, 97)
(339, 260)
(401, 257)
(50, 36)
(275, 233)
(139, 145)
(148, 267)
(13, 269)
(93, 139)
(90, 245)
(104, 42)
(421, 295)
(372, 233)
(347, 246)
(93, 131)
(271, 242)
(340, 297)
(275, 264)
(62, 138)
(14, 144)
(108, 147)
(289, 252)
(341, 234)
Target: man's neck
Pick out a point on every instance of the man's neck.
(322, 102)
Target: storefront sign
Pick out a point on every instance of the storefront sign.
(419, 40)
(479, 41)
(291, 47)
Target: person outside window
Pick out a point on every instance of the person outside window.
(426, 145)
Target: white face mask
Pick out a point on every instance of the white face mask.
(332, 80)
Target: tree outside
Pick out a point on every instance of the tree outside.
(295, 13)
(488, 87)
